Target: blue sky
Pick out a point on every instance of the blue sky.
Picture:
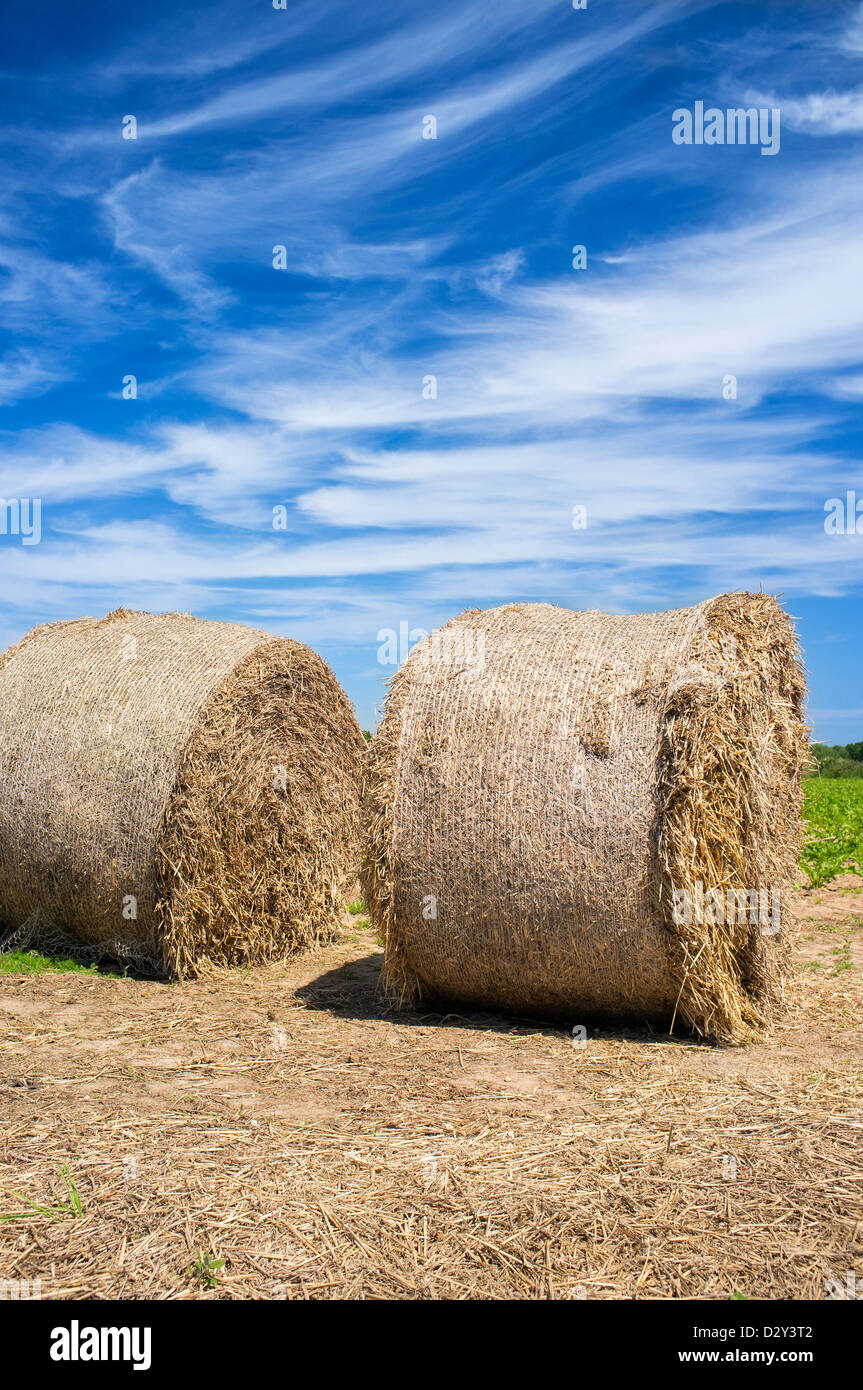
(409, 258)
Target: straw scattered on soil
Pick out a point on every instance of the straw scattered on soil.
(286, 1121)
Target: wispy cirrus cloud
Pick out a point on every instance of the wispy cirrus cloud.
(428, 388)
(825, 113)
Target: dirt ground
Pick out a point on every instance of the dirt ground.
(284, 1121)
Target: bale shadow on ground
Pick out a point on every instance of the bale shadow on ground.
(352, 991)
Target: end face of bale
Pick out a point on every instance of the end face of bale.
(732, 752)
(260, 845)
(379, 864)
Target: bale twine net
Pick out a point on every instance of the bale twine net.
(174, 792)
(566, 808)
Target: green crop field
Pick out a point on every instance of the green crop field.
(833, 822)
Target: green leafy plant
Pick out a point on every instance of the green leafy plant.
(205, 1269)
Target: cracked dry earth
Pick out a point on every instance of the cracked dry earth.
(286, 1122)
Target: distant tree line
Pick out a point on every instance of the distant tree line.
(838, 759)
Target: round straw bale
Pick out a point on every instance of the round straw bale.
(174, 791)
(550, 789)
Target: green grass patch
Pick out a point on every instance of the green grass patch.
(833, 824)
(41, 963)
(34, 963)
(842, 956)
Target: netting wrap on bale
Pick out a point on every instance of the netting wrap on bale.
(588, 816)
(174, 791)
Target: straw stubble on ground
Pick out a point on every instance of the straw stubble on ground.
(283, 1121)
